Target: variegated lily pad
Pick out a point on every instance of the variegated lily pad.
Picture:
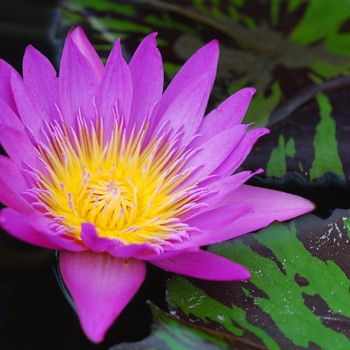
(169, 332)
(298, 296)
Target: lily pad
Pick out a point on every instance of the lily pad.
(297, 296)
(168, 332)
(310, 140)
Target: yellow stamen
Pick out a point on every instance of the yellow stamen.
(126, 188)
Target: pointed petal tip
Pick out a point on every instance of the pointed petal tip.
(28, 49)
(294, 205)
(259, 132)
(209, 52)
(153, 35)
(76, 31)
(250, 89)
(241, 274)
(246, 91)
(214, 42)
(101, 286)
(79, 38)
(309, 205)
(247, 276)
(150, 39)
(117, 43)
(213, 45)
(95, 335)
(204, 265)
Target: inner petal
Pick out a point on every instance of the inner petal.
(125, 186)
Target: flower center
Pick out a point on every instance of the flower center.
(129, 187)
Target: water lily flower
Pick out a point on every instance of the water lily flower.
(112, 172)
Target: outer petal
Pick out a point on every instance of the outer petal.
(166, 254)
(204, 265)
(5, 84)
(228, 114)
(113, 246)
(147, 75)
(29, 107)
(34, 229)
(240, 152)
(226, 185)
(115, 90)
(267, 206)
(117, 249)
(11, 128)
(90, 238)
(101, 286)
(219, 217)
(185, 100)
(84, 45)
(22, 151)
(214, 152)
(12, 185)
(28, 228)
(40, 76)
(78, 84)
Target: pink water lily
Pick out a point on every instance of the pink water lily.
(113, 172)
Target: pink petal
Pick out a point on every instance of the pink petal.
(78, 84)
(9, 118)
(115, 90)
(114, 247)
(92, 241)
(150, 256)
(11, 128)
(147, 75)
(40, 76)
(219, 217)
(240, 152)
(34, 229)
(5, 84)
(29, 107)
(268, 206)
(214, 152)
(30, 228)
(129, 251)
(204, 265)
(185, 100)
(228, 114)
(101, 286)
(12, 185)
(226, 185)
(84, 45)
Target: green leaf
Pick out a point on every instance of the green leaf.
(311, 140)
(297, 296)
(325, 142)
(169, 332)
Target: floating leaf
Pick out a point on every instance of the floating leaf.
(297, 296)
(312, 140)
(168, 332)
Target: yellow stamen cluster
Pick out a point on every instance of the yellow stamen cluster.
(127, 187)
